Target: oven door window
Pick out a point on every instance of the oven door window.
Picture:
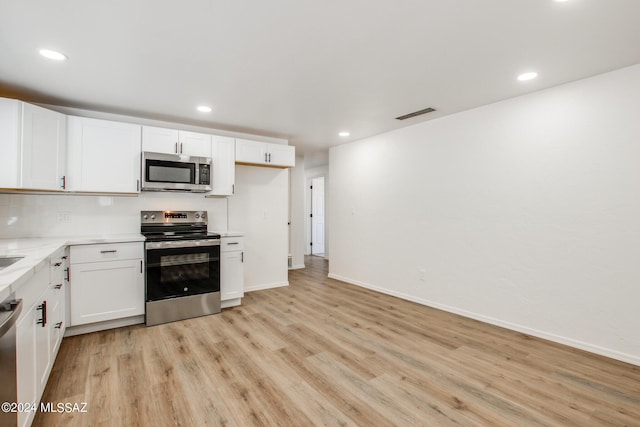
(182, 271)
(173, 172)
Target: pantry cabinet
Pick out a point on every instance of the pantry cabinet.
(33, 147)
(265, 154)
(103, 156)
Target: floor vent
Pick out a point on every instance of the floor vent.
(416, 113)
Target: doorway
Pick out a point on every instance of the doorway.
(317, 217)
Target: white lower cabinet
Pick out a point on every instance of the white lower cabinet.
(107, 282)
(38, 333)
(231, 271)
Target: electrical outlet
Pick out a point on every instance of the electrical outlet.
(63, 216)
(421, 274)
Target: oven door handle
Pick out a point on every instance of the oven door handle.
(182, 244)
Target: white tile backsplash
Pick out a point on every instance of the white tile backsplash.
(36, 215)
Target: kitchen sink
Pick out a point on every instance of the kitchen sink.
(6, 261)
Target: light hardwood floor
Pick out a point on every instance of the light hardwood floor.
(322, 352)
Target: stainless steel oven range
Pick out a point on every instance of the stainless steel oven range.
(182, 266)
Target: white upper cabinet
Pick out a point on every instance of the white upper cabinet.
(223, 157)
(103, 156)
(265, 154)
(171, 141)
(33, 146)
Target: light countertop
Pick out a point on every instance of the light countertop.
(36, 252)
(229, 233)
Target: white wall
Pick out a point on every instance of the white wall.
(297, 218)
(260, 208)
(524, 213)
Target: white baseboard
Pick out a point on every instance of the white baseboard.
(296, 267)
(592, 348)
(266, 286)
(101, 326)
(231, 303)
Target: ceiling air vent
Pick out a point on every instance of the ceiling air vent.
(416, 113)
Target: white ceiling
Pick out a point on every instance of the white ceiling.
(301, 69)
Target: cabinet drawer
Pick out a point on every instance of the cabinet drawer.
(228, 244)
(106, 252)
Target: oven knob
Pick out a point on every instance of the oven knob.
(145, 216)
(203, 215)
(197, 216)
(186, 289)
(153, 217)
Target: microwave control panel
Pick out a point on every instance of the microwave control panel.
(205, 175)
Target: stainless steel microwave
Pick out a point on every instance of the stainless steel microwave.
(175, 172)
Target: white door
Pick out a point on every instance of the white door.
(223, 157)
(317, 215)
(44, 141)
(195, 144)
(103, 156)
(281, 155)
(251, 152)
(160, 140)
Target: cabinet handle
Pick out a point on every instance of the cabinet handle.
(64, 257)
(269, 157)
(58, 325)
(233, 189)
(58, 286)
(140, 266)
(64, 182)
(66, 270)
(176, 148)
(233, 243)
(241, 256)
(113, 251)
(265, 157)
(43, 308)
(57, 264)
(137, 185)
(181, 148)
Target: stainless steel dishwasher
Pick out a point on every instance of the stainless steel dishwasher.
(9, 313)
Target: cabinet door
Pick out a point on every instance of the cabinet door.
(281, 155)
(106, 291)
(43, 339)
(55, 317)
(26, 363)
(224, 166)
(195, 144)
(44, 140)
(103, 156)
(231, 275)
(251, 152)
(160, 140)
(10, 112)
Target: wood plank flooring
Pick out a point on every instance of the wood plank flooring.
(322, 352)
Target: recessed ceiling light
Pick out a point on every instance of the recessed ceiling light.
(204, 109)
(52, 54)
(345, 134)
(560, 1)
(527, 76)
